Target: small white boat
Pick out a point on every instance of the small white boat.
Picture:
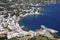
(48, 29)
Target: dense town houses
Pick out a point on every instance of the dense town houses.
(10, 28)
(12, 11)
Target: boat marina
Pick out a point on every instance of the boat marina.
(11, 12)
(9, 26)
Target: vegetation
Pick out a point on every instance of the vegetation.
(13, 39)
(34, 38)
(40, 38)
(56, 36)
(3, 38)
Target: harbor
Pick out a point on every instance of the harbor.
(23, 20)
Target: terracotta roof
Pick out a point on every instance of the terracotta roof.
(2, 35)
(40, 30)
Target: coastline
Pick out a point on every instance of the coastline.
(54, 16)
(20, 22)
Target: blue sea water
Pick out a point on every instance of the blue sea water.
(51, 18)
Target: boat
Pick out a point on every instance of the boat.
(49, 29)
